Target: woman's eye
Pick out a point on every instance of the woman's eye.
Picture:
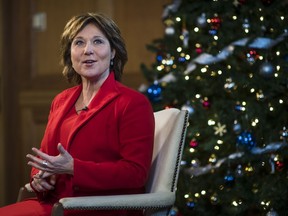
(78, 42)
(97, 41)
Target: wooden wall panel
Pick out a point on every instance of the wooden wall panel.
(139, 21)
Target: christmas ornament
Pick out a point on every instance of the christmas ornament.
(195, 163)
(267, 69)
(188, 107)
(229, 85)
(199, 49)
(249, 169)
(246, 25)
(169, 30)
(260, 95)
(239, 107)
(252, 56)
(202, 20)
(185, 34)
(154, 92)
(246, 140)
(229, 179)
(284, 134)
(278, 162)
(159, 58)
(272, 212)
(239, 171)
(215, 23)
(236, 127)
(213, 159)
(193, 143)
(173, 212)
(206, 103)
(220, 129)
(191, 204)
(214, 199)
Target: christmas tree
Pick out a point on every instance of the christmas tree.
(226, 62)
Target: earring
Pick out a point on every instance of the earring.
(111, 63)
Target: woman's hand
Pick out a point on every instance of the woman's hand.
(60, 164)
(43, 182)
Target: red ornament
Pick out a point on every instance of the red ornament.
(215, 22)
(206, 104)
(279, 165)
(193, 143)
(199, 50)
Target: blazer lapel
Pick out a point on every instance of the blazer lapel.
(107, 93)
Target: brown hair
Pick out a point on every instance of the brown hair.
(109, 29)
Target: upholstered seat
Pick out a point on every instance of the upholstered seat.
(170, 132)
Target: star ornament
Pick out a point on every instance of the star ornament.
(220, 129)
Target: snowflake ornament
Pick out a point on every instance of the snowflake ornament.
(220, 129)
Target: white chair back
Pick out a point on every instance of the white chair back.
(170, 131)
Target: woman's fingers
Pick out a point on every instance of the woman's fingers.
(41, 185)
(41, 154)
(62, 163)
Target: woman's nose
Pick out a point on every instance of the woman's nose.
(88, 49)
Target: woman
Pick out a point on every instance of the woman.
(99, 136)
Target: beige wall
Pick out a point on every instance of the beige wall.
(30, 75)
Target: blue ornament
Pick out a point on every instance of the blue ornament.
(190, 204)
(154, 92)
(181, 59)
(267, 69)
(246, 140)
(229, 179)
(173, 212)
(213, 32)
(239, 107)
(159, 58)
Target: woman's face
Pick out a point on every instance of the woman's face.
(91, 54)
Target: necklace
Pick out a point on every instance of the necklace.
(83, 109)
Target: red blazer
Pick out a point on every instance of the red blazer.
(111, 142)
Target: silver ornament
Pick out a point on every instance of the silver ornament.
(237, 127)
(169, 30)
(272, 213)
(188, 107)
(202, 20)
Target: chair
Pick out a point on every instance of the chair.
(170, 131)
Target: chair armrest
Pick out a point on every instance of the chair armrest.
(157, 200)
(25, 192)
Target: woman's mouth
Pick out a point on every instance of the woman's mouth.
(89, 61)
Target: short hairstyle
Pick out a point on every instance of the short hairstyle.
(109, 29)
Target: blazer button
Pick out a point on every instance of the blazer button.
(76, 188)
